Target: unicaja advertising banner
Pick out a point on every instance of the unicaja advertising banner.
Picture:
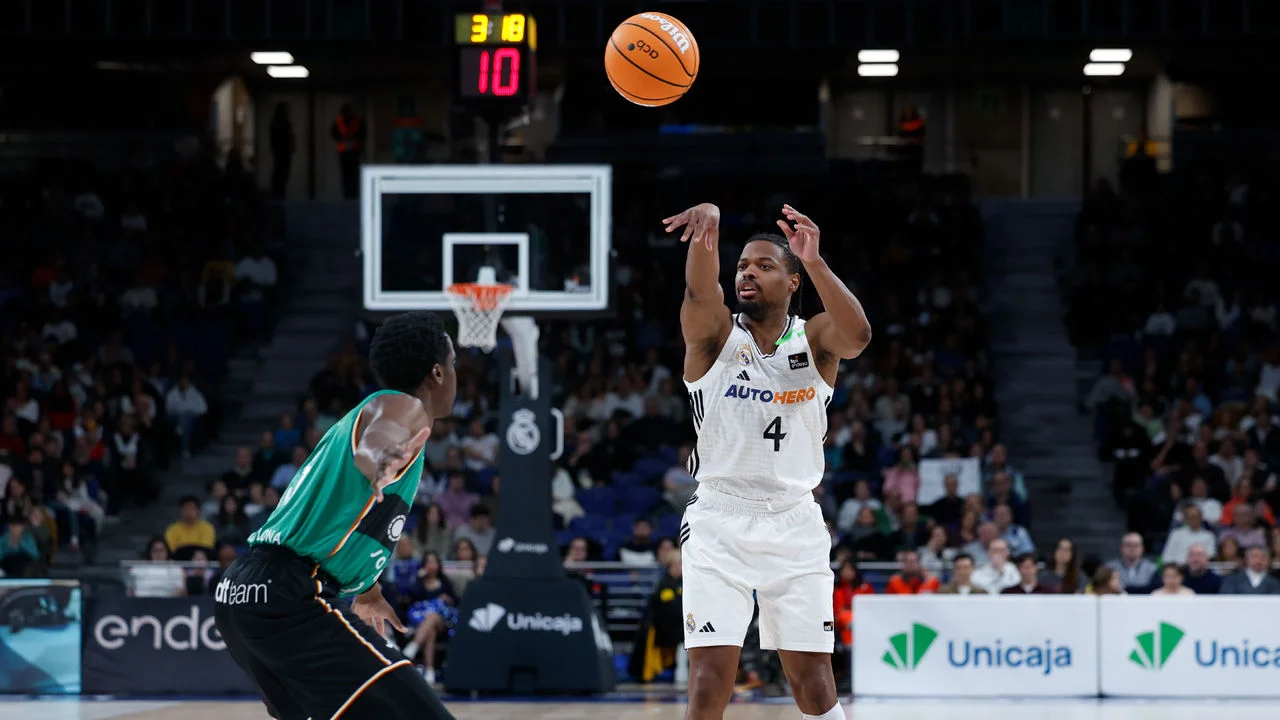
(1210, 646)
(157, 646)
(1033, 646)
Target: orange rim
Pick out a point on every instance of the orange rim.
(483, 297)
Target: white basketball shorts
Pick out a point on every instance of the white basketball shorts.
(730, 549)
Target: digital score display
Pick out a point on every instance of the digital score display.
(486, 29)
(494, 72)
(496, 60)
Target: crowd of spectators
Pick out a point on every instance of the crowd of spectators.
(1173, 299)
(121, 293)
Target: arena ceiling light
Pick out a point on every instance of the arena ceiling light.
(1097, 69)
(877, 56)
(288, 71)
(272, 58)
(1110, 55)
(878, 70)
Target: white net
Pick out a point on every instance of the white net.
(479, 308)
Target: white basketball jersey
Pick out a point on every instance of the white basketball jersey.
(761, 417)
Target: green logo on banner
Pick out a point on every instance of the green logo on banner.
(907, 649)
(1154, 648)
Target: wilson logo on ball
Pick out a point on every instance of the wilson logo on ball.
(677, 34)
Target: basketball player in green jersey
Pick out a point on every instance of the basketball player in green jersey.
(278, 606)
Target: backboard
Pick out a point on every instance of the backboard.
(544, 228)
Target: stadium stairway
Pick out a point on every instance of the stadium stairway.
(317, 317)
(1034, 366)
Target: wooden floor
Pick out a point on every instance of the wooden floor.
(71, 709)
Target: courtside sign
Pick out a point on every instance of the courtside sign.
(1212, 646)
(975, 647)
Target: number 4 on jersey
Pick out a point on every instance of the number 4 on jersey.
(774, 432)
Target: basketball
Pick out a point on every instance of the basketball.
(652, 59)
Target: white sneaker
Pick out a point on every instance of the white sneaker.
(430, 675)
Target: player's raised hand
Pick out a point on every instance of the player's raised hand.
(394, 459)
(701, 223)
(803, 238)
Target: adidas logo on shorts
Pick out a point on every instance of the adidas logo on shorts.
(706, 627)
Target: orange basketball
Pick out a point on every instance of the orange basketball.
(652, 59)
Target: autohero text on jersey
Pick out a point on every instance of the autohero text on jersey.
(780, 397)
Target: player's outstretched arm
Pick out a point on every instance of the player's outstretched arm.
(843, 330)
(704, 319)
(392, 429)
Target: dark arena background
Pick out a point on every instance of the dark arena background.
(1060, 215)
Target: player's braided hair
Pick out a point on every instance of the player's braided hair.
(406, 347)
(794, 266)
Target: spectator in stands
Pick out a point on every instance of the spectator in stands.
(979, 548)
(576, 553)
(19, 554)
(852, 507)
(288, 436)
(241, 473)
(266, 458)
(849, 584)
(1114, 387)
(479, 530)
(157, 576)
(902, 480)
(935, 554)
(185, 404)
(998, 573)
(678, 485)
(1002, 493)
(401, 575)
(190, 531)
(480, 448)
(1254, 578)
(433, 613)
(912, 579)
(284, 473)
(456, 502)
(962, 578)
(1028, 578)
(1137, 573)
(261, 512)
(1198, 576)
(1193, 532)
(1243, 529)
(1062, 573)
(1015, 535)
(432, 534)
(232, 527)
(1106, 581)
(1229, 552)
(966, 530)
(640, 549)
(866, 539)
(948, 509)
(911, 532)
(1210, 508)
(210, 508)
(1171, 582)
(661, 630)
(463, 551)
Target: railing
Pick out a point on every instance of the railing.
(571, 24)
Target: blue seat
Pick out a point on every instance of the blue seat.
(595, 527)
(601, 502)
(670, 456)
(638, 500)
(624, 521)
(668, 526)
(626, 480)
(564, 537)
(650, 468)
(484, 479)
(886, 457)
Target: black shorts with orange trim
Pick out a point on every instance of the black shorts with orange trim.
(308, 655)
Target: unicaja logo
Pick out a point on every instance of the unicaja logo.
(907, 649)
(486, 618)
(1154, 648)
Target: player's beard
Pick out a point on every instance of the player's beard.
(755, 309)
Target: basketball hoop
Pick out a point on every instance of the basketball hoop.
(479, 306)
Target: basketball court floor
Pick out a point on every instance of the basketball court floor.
(671, 708)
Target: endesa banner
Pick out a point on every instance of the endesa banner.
(157, 646)
(1214, 646)
(1031, 646)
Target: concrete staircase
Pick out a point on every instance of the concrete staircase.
(1036, 377)
(317, 317)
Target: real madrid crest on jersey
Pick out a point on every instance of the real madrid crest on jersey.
(523, 435)
(744, 355)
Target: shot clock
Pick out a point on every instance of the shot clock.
(496, 61)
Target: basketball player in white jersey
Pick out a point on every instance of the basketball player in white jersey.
(759, 382)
